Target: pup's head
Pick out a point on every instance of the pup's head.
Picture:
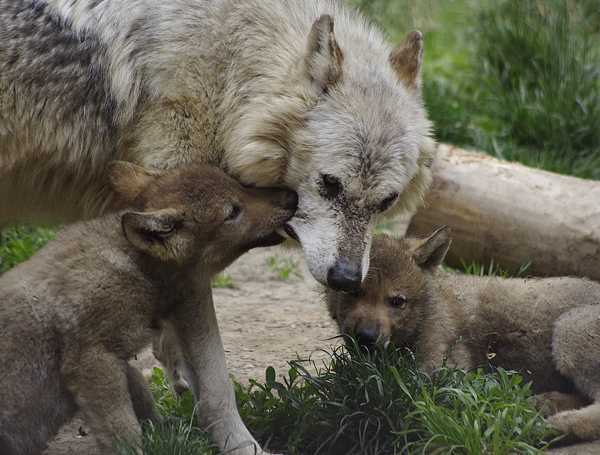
(197, 215)
(396, 295)
(349, 133)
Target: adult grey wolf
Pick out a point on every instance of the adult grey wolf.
(268, 90)
(548, 330)
(74, 314)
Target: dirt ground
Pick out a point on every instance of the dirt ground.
(263, 321)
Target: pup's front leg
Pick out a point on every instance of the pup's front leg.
(206, 372)
(99, 383)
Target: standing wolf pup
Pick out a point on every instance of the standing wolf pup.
(74, 314)
(296, 94)
(548, 330)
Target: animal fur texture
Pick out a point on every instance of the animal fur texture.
(296, 94)
(73, 315)
(548, 330)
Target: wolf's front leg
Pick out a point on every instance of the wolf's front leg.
(165, 348)
(206, 372)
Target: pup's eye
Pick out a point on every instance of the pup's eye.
(233, 213)
(388, 202)
(398, 302)
(331, 184)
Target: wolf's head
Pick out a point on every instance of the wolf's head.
(363, 152)
(397, 294)
(348, 132)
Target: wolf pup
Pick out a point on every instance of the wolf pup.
(297, 94)
(74, 314)
(548, 330)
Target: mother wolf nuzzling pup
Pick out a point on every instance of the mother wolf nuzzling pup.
(75, 314)
(548, 330)
(268, 90)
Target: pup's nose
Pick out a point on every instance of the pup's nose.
(289, 230)
(365, 337)
(291, 200)
(344, 277)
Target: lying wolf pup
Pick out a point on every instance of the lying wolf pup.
(548, 330)
(74, 314)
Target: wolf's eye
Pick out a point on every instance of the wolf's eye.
(388, 202)
(331, 184)
(233, 213)
(398, 302)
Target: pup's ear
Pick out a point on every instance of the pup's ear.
(406, 60)
(324, 58)
(128, 179)
(433, 248)
(151, 231)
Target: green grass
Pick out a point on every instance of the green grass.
(223, 281)
(283, 266)
(373, 403)
(518, 79)
(173, 437)
(493, 269)
(17, 244)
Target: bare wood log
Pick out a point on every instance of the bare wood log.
(513, 213)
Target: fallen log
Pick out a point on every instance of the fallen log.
(511, 213)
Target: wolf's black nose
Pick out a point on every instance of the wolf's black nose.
(344, 277)
(366, 337)
(291, 200)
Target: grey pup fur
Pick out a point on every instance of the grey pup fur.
(297, 94)
(73, 315)
(548, 330)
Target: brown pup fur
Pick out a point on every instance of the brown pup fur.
(73, 315)
(548, 330)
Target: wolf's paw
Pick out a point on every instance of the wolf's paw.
(583, 423)
(180, 385)
(551, 403)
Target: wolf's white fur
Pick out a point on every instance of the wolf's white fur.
(278, 93)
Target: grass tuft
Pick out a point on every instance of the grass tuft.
(370, 403)
(283, 266)
(366, 403)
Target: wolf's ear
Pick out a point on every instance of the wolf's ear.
(128, 179)
(323, 58)
(151, 231)
(406, 60)
(433, 248)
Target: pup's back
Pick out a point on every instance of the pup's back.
(510, 323)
